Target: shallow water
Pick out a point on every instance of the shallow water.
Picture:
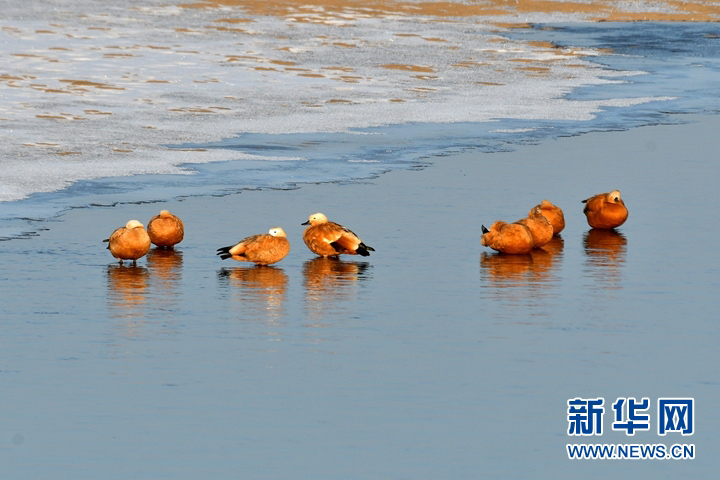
(432, 358)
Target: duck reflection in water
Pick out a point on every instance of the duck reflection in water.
(261, 289)
(605, 252)
(166, 266)
(554, 246)
(127, 291)
(330, 281)
(521, 277)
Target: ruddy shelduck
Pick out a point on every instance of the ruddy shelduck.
(508, 237)
(165, 230)
(329, 239)
(540, 227)
(553, 213)
(605, 210)
(129, 242)
(262, 249)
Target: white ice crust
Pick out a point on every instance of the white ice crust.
(92, 89)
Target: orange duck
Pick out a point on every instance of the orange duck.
(540, 228)
(508, 237)
(262, 249)
(605, 210)
(129, 242)
(553, 213)
(165, 230)
(329, 239)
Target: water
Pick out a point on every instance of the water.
(433, 357)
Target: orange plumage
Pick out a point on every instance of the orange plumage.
(262, 249)
(329, 239)
(554, 214)
(165, 230)
(129, 242)
(508, 238)
(539, 226)
(605, 210)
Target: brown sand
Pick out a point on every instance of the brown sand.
(599, 10)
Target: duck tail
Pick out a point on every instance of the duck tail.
(364, 250)
(224, 252)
